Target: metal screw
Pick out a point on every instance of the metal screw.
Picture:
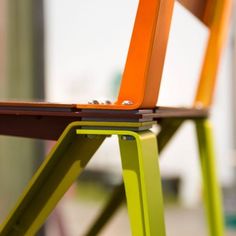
(199, 105)
(127, 102)
(107, 102)
(127, 137)
(91, 136)
(93, 102)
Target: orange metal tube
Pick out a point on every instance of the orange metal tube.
(143, 71)
(219, 28)
(146, 56)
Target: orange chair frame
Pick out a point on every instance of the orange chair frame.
(144, 65)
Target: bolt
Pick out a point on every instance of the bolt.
(91, 136)
(127, 137)
(107, 102)
(127, 102)
(199, 105)
(93, 102)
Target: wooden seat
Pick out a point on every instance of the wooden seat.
(48, 120)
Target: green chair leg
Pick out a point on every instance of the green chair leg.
(141, 179)
(168, 128)
(51, 181)
(69, 157)
(212, 194)
(142, 184)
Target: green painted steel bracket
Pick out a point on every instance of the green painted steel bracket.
(50, 182)
(168, 128)
(212, 194)
(69, 157)
(140, 168)
(139, 157)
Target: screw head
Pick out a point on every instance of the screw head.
(199, 105)
(93, 102)
(107, 102)
(127, 137)
(127, 102)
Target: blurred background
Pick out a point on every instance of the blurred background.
(74, 51)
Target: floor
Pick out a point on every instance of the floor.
(77, 215)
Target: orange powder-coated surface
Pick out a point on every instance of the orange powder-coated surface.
(143, 70)
(219, 28)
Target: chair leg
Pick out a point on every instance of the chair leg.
(168, 128)
(68, 159)
(142, 183)
(212, 194)
(51, 181)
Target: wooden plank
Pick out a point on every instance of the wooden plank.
(24, 105)
(69, 110)
(180, 112)
(51, 127)
(49, 124)
(39, 127)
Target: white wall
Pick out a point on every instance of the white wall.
(87, 43)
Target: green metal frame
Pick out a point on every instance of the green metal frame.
(140, 167)
(168, 128)
(141, 176)
(211, 188)
(66, 161)
(212, 194)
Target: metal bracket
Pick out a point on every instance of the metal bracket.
(67, 160)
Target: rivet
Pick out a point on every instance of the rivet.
(93, 102)
(91, 136)
(127, 137)
(107, 102)
(199, 105)
(127, 102)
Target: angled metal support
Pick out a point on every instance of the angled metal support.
(211, 188)
(140, 167)
(168, 128)
(66, 161)
(59, 170)
(212, 195)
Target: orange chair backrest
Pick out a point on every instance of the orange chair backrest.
(216, 17)
(144, 65)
